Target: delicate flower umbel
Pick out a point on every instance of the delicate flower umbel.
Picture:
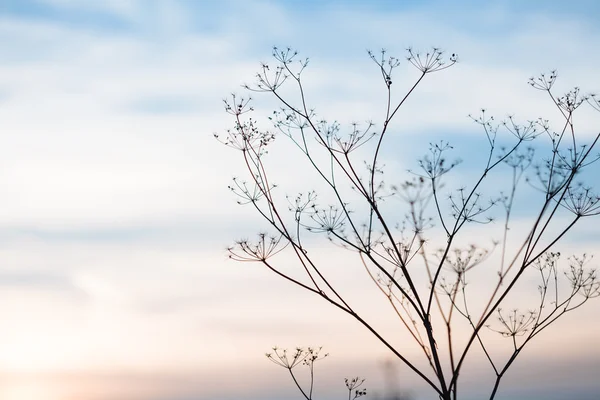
(246, 193)
(571, 100)
(515, 324)
(237, 106)
(548, 260)
(463, 260)
(525, 132)
(435, 165)
(329, 220)
(287, 360)
(286, 120)
(544, 81)
(263, 249)
(489, 126)
(300, 203)
(313, 355)
(354, 384)
(399, 254)
(270, 78)
(584, 282)
(519, 159)
(431, 61)
(581, 201)
(485, 120)
(386, 64)
(355, 139)
(245, 136)
(594, 101)
(287, 56)
(414, 190)
(552, 175)
(466, 207)
(304, 356)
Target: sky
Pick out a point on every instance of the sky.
(115, 215)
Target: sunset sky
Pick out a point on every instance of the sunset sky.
(115, 215)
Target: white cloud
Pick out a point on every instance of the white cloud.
(125, 8)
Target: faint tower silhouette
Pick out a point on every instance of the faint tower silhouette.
(392, 390)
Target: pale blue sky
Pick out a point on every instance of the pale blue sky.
(115, 213)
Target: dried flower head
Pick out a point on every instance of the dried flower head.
(544, 81)
(594, 100)
(571, 100)
(581, 201)
(524, 132)
(583, 281)
(431, 61)
(286, 360)
(386, 65)
(245, 135)
(355, 384)
(263, 249)
(461, 260)
(515, 323)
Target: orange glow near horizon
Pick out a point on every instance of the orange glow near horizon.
(30, 389)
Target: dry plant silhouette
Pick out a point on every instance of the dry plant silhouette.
(355, 386)
(308, 357)
(426, 281)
